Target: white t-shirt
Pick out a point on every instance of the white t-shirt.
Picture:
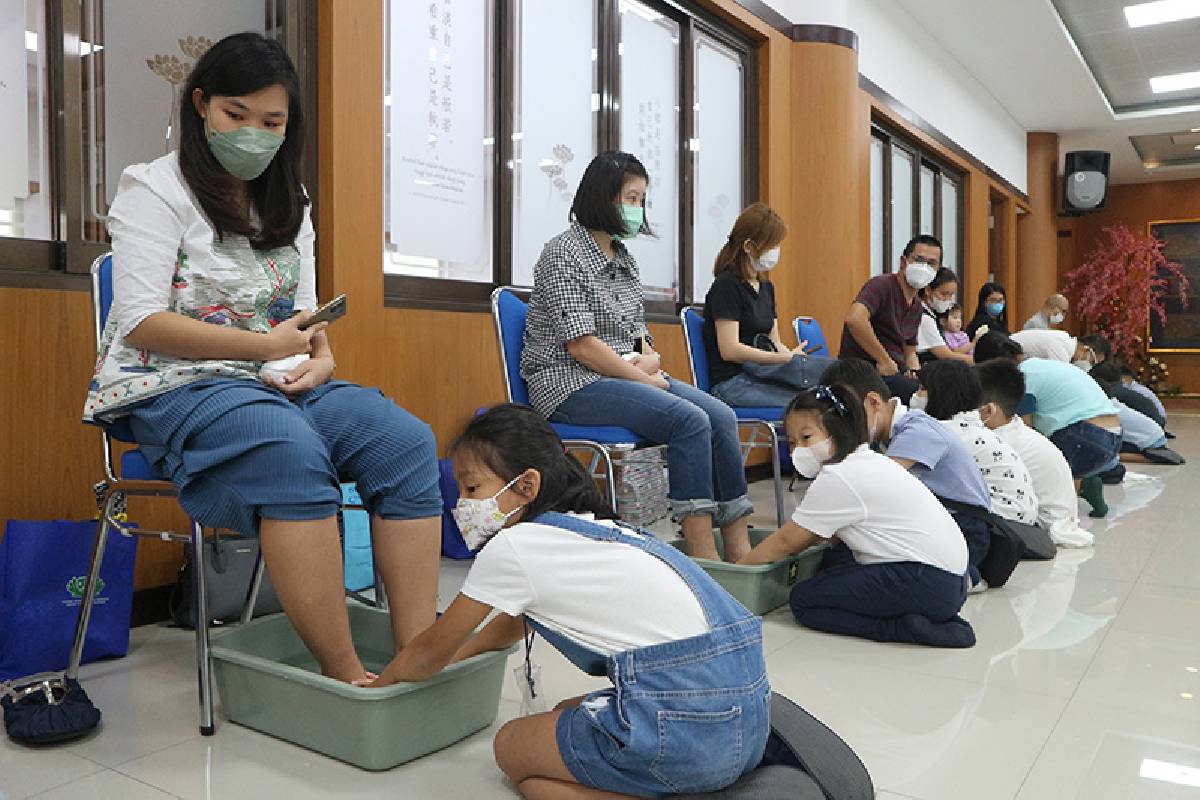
(607, 596)
(1050, 344)
(882, 513)
(928, 335)
(1007, 478)
(1058, 510)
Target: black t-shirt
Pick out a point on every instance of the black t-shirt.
(731, 298)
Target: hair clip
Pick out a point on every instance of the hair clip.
(825, 394)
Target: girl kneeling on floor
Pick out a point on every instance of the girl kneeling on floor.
(688, 709)
(897, 571)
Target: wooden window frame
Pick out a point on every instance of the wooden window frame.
(63, 261)
(408, 291)
(942, 172)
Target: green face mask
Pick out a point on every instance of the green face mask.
(634, 217)
(244, 152)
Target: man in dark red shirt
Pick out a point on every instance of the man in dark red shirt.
(881, 325)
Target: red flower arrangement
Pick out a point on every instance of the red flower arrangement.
(1119, 284)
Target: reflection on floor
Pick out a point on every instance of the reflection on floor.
(1085, 684)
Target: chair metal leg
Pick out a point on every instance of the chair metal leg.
(255, 586)
(89, 594)
(777, 475)
(203, 655)
(610, 476)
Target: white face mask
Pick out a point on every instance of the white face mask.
(480, 520)
(767, 261)
(1083, 364)
(940, 306)
(918, 402)
(808, 460)
(1056, 317)
(919, 275)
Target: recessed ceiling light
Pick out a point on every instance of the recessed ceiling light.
(1195, 130)
(1174, 83)
(1161, 11)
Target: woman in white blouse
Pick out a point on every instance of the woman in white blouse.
(212, 258)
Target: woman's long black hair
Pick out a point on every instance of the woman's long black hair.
(236, 66)
(981, 315)
(510, 439)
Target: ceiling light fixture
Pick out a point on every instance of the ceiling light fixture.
(1156, 13)
(1175, 83)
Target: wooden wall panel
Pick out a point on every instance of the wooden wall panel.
(1135, 205)
(828, 153)
(50, 459)
(1037, 243)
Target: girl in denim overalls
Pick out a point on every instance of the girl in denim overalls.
(688, 709)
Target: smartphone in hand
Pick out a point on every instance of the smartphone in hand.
(334, 309)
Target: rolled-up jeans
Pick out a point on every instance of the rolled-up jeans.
(704, 455)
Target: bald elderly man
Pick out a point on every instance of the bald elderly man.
(1052, 313)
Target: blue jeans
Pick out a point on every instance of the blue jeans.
(901, 601)
(704, 454)
(240, 451)
(1088, 448)
(689, 715)
(772, 385)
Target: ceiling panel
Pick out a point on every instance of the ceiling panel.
(1168, 149)
(1123, 59)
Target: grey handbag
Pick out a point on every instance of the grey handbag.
(804, 760)
(229, 566)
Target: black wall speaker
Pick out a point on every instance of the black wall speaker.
(1085, 181)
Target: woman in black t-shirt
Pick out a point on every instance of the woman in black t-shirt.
(748, 364)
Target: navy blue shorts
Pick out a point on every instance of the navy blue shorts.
(240, 451)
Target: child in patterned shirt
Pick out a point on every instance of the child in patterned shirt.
(953, 395)
(956, 339)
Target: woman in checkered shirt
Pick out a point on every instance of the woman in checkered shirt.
(588, 358)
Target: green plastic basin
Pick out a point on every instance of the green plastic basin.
(268, 681)
(760, 587)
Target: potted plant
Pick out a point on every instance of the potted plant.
(1120, 283)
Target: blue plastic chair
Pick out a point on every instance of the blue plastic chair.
(508, 312)
(762, 423)
(807, 328)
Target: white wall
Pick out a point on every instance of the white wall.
(897, 54)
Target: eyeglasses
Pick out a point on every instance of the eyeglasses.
(826, 395)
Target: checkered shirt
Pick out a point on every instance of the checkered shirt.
(578, 292)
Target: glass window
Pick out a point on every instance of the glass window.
(650, 119)
(439, 141)
(877, 200)
(556, 70)
(136, 57)
(25, 209)
(718, 152)
(902, 205)
(927, 224)
(950, 224)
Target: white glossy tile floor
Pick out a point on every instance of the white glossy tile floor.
(1085, 684)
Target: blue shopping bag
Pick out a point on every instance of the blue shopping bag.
(43, 572)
